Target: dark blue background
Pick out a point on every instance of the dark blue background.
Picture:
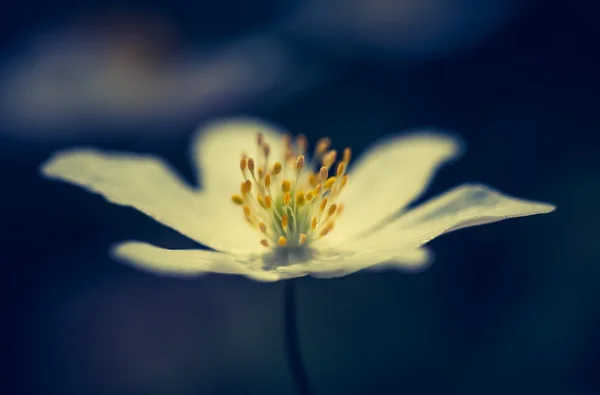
(510, 308)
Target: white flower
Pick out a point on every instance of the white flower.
(268, 210)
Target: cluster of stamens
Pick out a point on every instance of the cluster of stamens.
(292, 201)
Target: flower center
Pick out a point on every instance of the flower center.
(293, 201)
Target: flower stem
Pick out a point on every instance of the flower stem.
(291, 339)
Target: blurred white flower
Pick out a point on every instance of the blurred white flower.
(286, 220)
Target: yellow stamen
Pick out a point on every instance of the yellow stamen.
(260, 138)
(251, 165)
(284, 221)
(323, 204)
(323, 173)
(300, 162)
(300, 200)
(261, 173)
(266, 149)
(302, 239)
(340, 169)
(286, 185)
(309, 196)
(247, 211)
(347, 155)
(329, 183)
(268, 201)
(344, 180)
(340, 209)
(323, 144)
(243, 164)
(264, 242)
(276, 168)
(327, 229)
(312, 179)
(287, 198)
(282, 241)
(246, 187)
(260, 201)
(237, 199)
(313, 223)
(329, 158)
(268, 180)
(332, 210)
(262, 227)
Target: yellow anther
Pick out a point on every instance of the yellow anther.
(323, 204)
(286, 185)
(323, 144)
(313, 223)
(312, 179)
(309, 196)
(317, 190)
(243, 164)
(260, 201)
(300, 162)
(302, 142)
(282, 241)
(266, 149)
(247, 211)
(332, 210)
(268, 201)
(287, 198)
(340, 169)
(261, 172)
(327, 229)
(323, 173)
(284, 220)
(276, 168)
(347, 155)
(251, 165)
(262, 227)
(344, 180)
(264, 242)
(300, 200)
(329, 183)
(302, 238)
(268, 180)
(329, 158)
(340, 209)
(246, 187)
(237, 199)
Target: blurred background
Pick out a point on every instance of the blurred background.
(510, 308)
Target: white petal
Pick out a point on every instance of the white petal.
(346, 262)
(149, 185)
(187, 263)
(388, 177)
(461, 207)
(218, 148)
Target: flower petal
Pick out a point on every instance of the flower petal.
(461, 207)
(149, 185)
(388, 177)
(347, 262)
(218, 147)
(187, 263)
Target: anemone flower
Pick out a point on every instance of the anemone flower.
(270, 211)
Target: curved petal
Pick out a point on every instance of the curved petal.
(149, 185)
(347, 262)
(461, 207)
(388, 177)
(218, 147)
(187, 263)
